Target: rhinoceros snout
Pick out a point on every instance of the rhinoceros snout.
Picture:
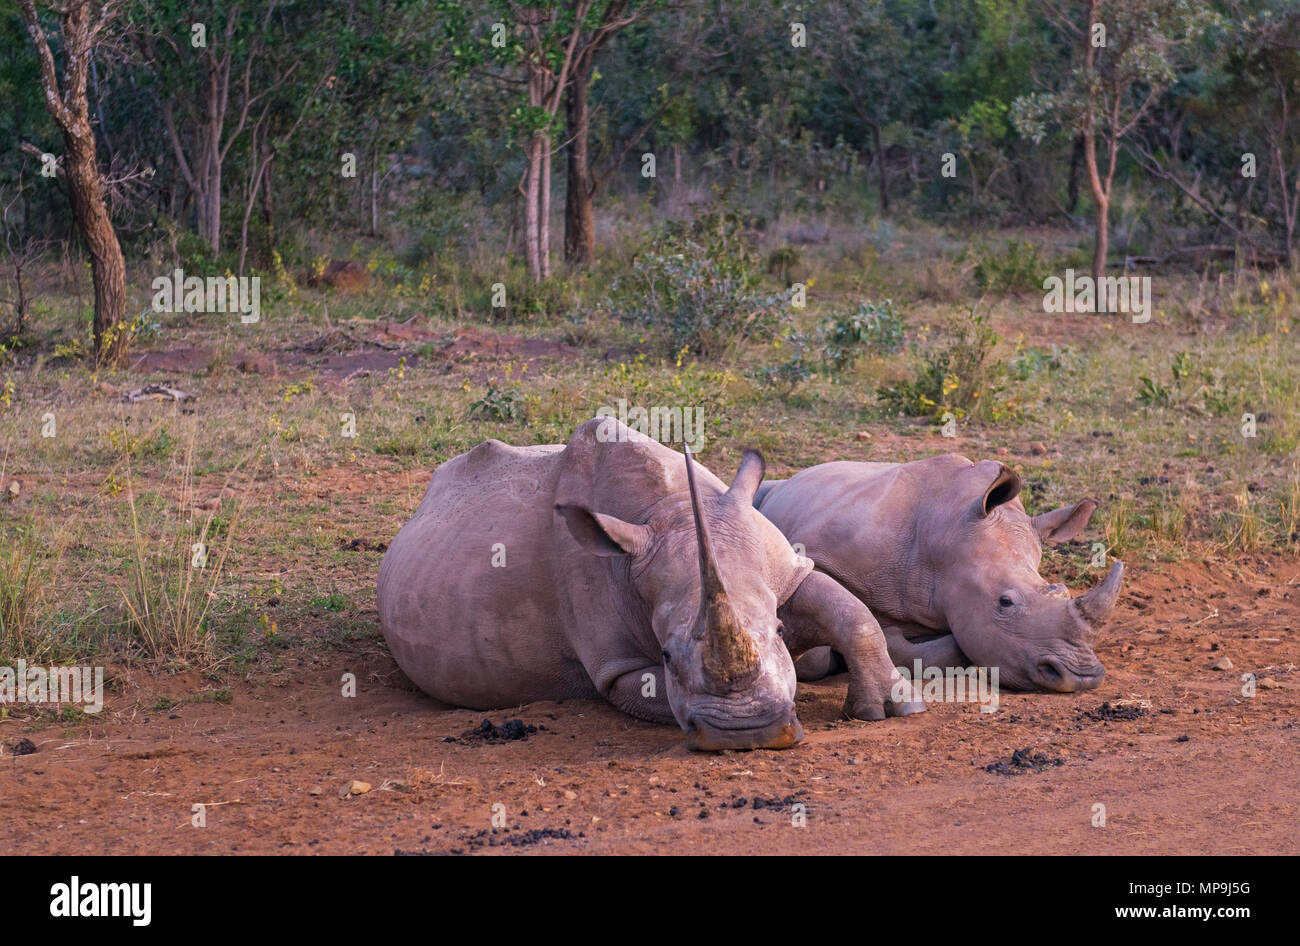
(783, 733)
(1053, 674)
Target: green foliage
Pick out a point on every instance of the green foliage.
(962, 376)
(1031, 362)
(1019, 266)
(506, 404)
(697, 284)
(874, 327)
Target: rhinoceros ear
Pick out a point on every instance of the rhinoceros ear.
(604, 535)
(1061, 525)
(1004, 486)
(748, 478)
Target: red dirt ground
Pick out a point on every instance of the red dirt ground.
(1203, 770)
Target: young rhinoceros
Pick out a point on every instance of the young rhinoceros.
(942, 551)
(583, 570)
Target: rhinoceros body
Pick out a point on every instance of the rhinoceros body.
(579, 570)
(942, 552)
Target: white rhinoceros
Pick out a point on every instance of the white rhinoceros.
(942, 552)
(583, 570)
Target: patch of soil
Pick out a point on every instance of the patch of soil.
(1022, 761)
(181, 360)
(479, 352)
(125, 782)
(374, 362)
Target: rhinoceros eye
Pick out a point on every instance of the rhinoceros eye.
(668, 658)
(1005, 601)
(780, 630)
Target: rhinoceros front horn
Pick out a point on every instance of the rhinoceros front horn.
(1095, 604)
(730, 658)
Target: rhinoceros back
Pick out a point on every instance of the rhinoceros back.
(465, 593)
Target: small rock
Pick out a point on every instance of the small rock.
(1268, 683)
(570, 794)
(1002, 451)
(316, 790)
(11, 491)
(24, 747)
(1037, 448)
(210, 505)
(354, 787)
(864, 435)
(1223, 663)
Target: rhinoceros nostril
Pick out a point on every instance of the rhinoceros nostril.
(1050, 672)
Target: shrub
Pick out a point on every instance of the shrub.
(874, 327)
(501, 404)
(698, 284)
(962, 376)
(1020, 266)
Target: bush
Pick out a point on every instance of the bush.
(1020, 266)
(509, 404)
(874, 327)
(698, 284)
(962, 377)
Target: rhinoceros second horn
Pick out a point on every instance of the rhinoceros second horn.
(1095, 604)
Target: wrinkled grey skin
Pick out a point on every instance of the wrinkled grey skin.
(611, 575)
(942, 552)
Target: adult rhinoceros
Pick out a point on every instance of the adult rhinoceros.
(942, 552)
(583, 570)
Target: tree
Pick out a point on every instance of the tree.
(579, 237)
(206, 109)
(82, 23)
(1124, 52)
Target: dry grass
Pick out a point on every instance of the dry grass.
(174, 582)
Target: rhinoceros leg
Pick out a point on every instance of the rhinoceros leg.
(640, 693)
(941, 652)
(816, 664)
(823, 613)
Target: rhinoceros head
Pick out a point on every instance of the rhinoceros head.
(1000, 610)
(712, 571)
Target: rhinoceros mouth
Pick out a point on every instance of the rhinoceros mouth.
(782, 733)
(1054, 675)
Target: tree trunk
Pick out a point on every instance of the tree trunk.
(544, 212)
(1072, 188)
(268, 200)
(1101, 244)
(71, 112)
(579, 238)
(531, 193)
(880, 166)
(107, 267)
